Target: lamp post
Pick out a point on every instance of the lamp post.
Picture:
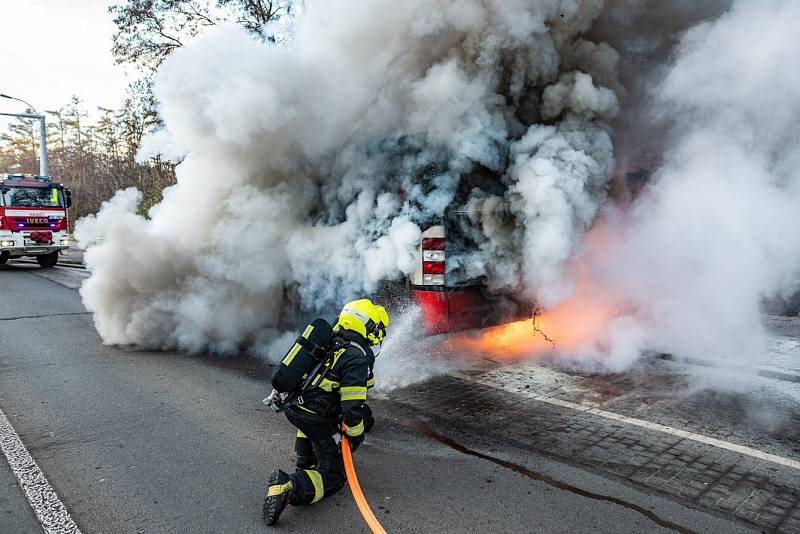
(43, 171)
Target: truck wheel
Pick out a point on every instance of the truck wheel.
(48, 260)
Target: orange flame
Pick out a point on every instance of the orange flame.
(579, 320)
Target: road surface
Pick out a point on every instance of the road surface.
(140, 441)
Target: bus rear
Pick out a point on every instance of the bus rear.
(450, 296)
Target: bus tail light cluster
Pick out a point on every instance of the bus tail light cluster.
(433, 261)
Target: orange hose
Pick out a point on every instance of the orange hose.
(355, 489)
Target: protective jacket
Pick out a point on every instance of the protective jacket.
(342, 388)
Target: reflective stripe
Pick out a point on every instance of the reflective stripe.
(352, 393)
(319, 489)
(336, 356)
(292, 353)
(328, 385)
(356, 430)
(353, 397)
(287, 360)
(354, 389)
(279, 489)
(304, 408)
(371, 383)
(300, 434)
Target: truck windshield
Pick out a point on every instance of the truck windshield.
(39, 197)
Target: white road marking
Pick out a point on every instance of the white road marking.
(593, 408)
(49, 509)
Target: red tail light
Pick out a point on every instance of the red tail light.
(433, 261)
(3, 223)
(61, 225)
(433, 243)
(432, 267)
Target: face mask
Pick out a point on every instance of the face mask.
(377, 349)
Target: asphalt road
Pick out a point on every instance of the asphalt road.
(137, 441)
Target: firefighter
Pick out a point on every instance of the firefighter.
(340, 397)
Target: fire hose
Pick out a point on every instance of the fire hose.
(355, 488)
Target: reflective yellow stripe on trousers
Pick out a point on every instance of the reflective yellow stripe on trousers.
(319, 489)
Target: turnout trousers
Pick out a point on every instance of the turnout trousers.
(320, 470)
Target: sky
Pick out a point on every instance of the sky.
(53, 49)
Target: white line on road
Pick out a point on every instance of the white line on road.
(49, 509)
(593, 409)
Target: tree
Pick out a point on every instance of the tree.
(138, 115)
(150, 30)
(94, 159)
(255, 14)
(72, 115)
(20, 147)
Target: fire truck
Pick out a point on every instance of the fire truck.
(33, 218)
(450, 299)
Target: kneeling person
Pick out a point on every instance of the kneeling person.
(339, 397)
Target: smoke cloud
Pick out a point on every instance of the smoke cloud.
(712, 235)
(308, 171)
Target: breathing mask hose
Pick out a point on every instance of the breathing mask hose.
(355, 487)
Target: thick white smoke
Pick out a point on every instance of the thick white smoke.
(714, 233)
(309, 170)
(685, 266)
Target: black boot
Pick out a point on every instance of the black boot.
(306, 462)
(278, 492)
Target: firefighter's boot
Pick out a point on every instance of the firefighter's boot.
(278, 493)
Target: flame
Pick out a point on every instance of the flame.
(576, 322)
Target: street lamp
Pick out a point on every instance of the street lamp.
(42, 131)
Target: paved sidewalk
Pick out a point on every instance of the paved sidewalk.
(505, 405)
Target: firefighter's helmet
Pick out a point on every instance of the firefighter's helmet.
(365, 318)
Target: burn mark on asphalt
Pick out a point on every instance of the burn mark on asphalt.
(43, 316)
(555, 483)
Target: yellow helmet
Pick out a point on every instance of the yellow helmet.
(365, 318)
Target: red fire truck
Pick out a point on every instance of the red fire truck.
(33, 218)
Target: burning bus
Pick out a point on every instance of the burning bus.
(464, 278)
(450, 283)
